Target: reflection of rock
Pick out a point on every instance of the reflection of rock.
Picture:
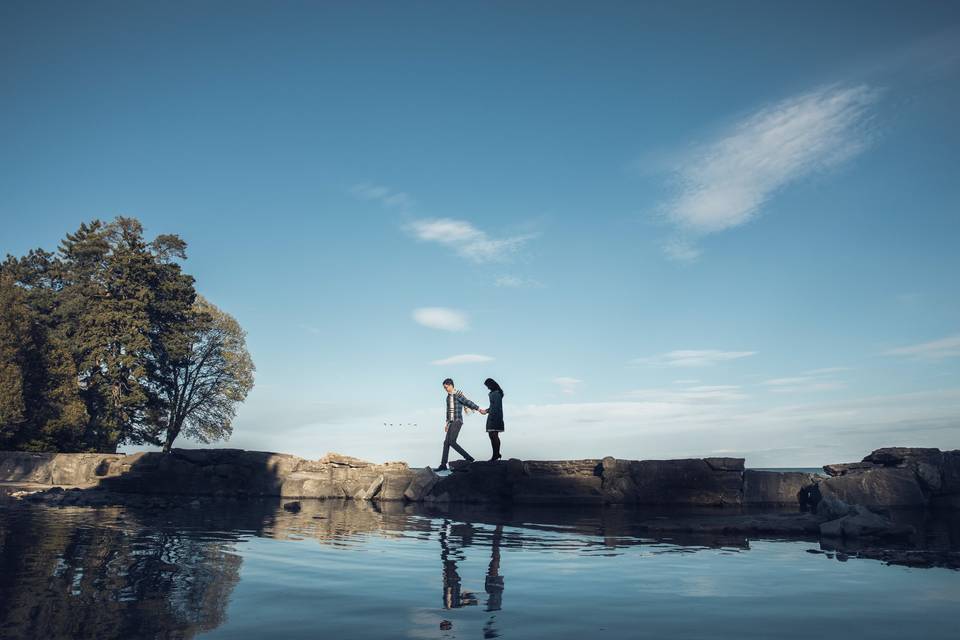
(860, 522)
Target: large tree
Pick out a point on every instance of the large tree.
(92, 336)
(15, 320)
(40, 404)
(200, 392)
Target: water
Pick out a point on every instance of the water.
(344, 570)
(814, 470)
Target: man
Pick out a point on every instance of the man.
(456, 401)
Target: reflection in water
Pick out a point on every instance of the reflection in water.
(493, 583)
(99, 573)
(453, 541)
(245, 569)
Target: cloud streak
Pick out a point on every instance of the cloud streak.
(516, 282)
(726, 182)
(948, 347)
(466, 358)
(697, 394)
(567, 385)
(384, 195)
(467, 240)
(694, 357)
(441, 318)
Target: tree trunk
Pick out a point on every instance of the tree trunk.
(168, 443)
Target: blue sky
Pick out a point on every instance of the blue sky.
(668, 230)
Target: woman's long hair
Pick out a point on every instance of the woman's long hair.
(492, 385)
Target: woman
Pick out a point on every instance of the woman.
(494, 416)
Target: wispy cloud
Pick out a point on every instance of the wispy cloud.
(713, 393)
(516, 282)
(803, 384)
(726, 182)
(948, 347)
(384, 195)
(693, 357)
(826, 370)
(567, 385)
(681, 250)
(441, 318)
(467, 240)
(311, 329)
(466, 358)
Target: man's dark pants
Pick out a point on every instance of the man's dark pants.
(453, 430)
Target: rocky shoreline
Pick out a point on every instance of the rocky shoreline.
(853, 501)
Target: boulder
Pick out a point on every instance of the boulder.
(420, 485)
(929, 477)
(476, 483)
(950, 473)
(831, 507)
(902, 456)
(308, 484)
(553, 481)
(882, 487)
(76, 469)
(372, 489)
(342, 460)
(725, 464)
(849, 467)
(689, 482)
(617, 483)
(775, 487)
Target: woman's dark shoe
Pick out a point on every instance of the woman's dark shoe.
(496, 456)
(442, 467)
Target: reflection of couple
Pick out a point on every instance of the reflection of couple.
(453, 596)
(456, 402)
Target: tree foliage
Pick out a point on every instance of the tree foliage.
(94, 337)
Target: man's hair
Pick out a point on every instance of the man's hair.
(449, 381)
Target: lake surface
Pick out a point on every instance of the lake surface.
(346, 570)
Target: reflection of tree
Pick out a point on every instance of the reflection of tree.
(90, 575)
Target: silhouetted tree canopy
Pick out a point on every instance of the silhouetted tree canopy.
(106, 342)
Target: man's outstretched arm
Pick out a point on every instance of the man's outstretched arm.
(467, 402)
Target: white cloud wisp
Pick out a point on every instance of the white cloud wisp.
(726, 182)
(441, 318)
(466, 240)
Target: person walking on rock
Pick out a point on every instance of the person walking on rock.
(494, 416)
(456, 401)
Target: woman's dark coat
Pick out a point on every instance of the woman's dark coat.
(495, 413)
